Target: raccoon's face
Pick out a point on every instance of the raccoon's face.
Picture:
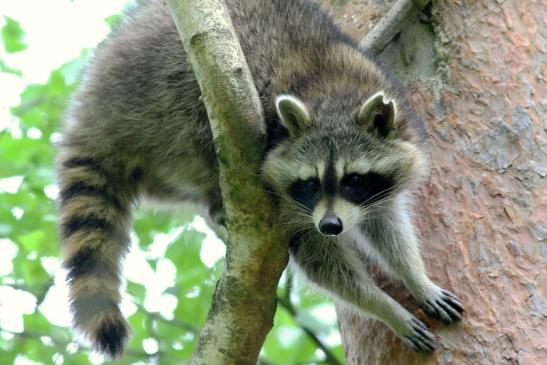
(332, 179)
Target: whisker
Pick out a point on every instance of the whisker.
(384, 200)
(385, 203)
(288, 202)
(379, 193)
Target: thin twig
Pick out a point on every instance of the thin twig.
(390, 24)
(287, 305)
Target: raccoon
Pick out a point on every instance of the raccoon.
(344, 151)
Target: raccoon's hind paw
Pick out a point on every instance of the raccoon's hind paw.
(444, 306)
(110, 335)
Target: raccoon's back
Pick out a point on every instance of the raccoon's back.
(139, 92)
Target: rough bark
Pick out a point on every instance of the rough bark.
(476, 73)
(244, 302)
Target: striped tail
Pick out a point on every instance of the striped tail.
(94, 222)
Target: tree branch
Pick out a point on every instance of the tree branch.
(243, 307)
(390, 24)
(288, 306)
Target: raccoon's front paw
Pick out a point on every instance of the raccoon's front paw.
(417, 336)
(443, 305)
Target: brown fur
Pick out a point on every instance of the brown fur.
(137, 127)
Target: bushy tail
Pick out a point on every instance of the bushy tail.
(94, 222)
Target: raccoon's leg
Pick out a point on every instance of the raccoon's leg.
(94, 223)
(328, 265)
(392, 237)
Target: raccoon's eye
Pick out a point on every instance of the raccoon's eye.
(312, 185)
(366, 189)
(306, 192)
(353, 180)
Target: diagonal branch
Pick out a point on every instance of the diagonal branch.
(244, 302)
(389, 25)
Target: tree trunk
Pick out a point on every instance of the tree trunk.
(244, 302)
(475, 71)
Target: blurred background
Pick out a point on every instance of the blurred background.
(175, 259)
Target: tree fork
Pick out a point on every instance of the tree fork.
(244, 303)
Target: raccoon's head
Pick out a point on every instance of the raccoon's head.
(332, 177)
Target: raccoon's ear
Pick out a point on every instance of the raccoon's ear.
(378, 115)
(293, 114)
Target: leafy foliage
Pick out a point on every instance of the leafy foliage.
(12, 36)
(29, 268)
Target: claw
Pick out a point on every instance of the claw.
(437, 311)
(420, 324)
(444, 306)
(422, 330)
(420, 345)
(454, 315)
(453, 301)
(430, 309)
(419, 338)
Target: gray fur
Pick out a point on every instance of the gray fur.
(137, 128)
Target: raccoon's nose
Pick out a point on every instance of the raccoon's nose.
(330, 226)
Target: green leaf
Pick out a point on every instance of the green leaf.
(33, 240)
(113, 20)
(174, 337)
(72, 70)
(78, 358)
(30, 270)
(13, 36)
(6, 69)
(140, 332)
(7, 356)
(36, 323)
(137, 291)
